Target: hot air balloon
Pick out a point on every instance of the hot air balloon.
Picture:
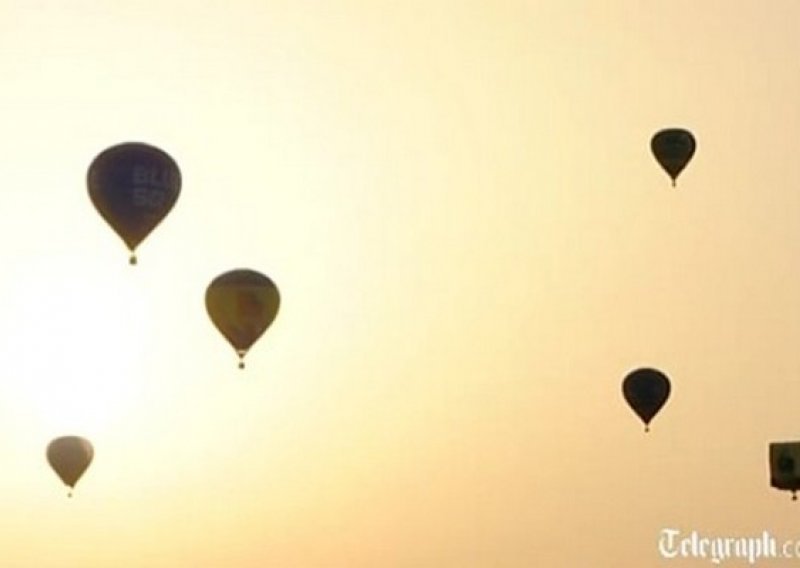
(69, 456)
(242, 304)
(646, 390)
(673, 148)
(133, 186)
(784, 466)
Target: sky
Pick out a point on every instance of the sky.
(473, 246)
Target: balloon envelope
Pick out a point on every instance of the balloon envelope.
(673, 148)
(133, 186)
(69, 456)
(242, 304)
(646, 390)
(784, 466)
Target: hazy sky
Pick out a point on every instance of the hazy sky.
(473, 246)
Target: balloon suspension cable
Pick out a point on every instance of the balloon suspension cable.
(240, 353)
(673, 182)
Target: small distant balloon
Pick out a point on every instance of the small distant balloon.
(133, 186)
(70, 456)
(673, 149)
(784, 466)
(646, 390)
(242, 304)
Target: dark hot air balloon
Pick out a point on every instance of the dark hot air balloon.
(784, 466)
(133, 186)
(242, 304)
(69, 456)
(646, 390)
(673, 148)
